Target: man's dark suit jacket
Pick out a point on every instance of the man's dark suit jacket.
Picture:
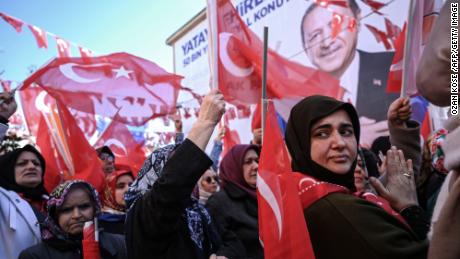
(373, 100)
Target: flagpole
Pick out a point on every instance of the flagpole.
(264, 81)
(407, 46)
(211, 13)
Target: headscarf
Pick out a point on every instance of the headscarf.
(437, 152)
(110, 186)
(149, 173)
(8, 179)
(51, 231)
(231, 168)
(303, 115)
(197, 217)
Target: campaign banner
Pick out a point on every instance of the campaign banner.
(353, 43)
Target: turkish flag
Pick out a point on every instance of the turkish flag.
(256, 122)
(85, 53)
(40, 36)
(54, 176)
(393, 30)
(6, 85)
(395, 75)
(63, 47)
(230, 114)
(240, 63)
(82, 161)
(230, 139)
(425, 12)
(282, 226)
(90, 245)
(243, 111)
(380, 36)
(375, 5)
(35, 100)
(61, 141)
(67, 152)
(326, 3)
(120, 140)
(133, 88)
(16, 23)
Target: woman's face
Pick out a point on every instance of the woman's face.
(209, 181)
(122, 185)
(75, 211)
(333, 142)
(27, 170)
(359, 175)
(250, 167)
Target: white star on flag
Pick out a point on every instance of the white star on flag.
(122, 72)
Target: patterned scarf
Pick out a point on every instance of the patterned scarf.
(51, 231)
(197, 217)
(436, 151)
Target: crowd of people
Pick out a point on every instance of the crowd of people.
(397, 201)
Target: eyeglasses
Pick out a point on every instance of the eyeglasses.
(210, 179)
(106, 157)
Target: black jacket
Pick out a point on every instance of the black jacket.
(111, 247)
(156, 226)
(344, 226)
(234, 212)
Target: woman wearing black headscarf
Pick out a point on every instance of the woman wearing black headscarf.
(322, 138)
(234, 208)
(22, 199)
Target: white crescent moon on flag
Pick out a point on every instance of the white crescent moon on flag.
(270, 198)
(40, 102)
(67, 71)
(116, 143)
(230, 66)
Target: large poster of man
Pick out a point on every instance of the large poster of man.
(352, 41)
(363, 75)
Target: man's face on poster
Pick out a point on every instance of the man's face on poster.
(328, 54)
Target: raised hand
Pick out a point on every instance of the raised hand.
(212, 108)
(399, 111)
(211, 111)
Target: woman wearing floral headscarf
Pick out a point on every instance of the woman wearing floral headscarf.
(112, 218)
(70, 205)
(163, 220)
(22, 199)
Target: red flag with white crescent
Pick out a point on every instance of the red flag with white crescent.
(240, 63)
(133, 88)
(120, 140)
(282, 226)
(60, 139)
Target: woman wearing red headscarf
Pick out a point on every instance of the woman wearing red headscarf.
(234, 208)
(112, 218)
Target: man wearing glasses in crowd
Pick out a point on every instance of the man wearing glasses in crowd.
(108, 159)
